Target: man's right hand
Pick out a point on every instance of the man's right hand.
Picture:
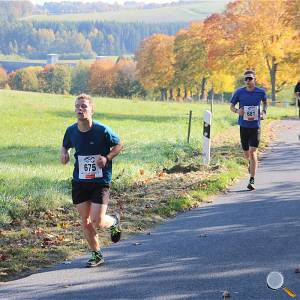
(64, 156)
(240, 111)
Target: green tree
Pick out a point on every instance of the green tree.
(55, 79)
(80, 77)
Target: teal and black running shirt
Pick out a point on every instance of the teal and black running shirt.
(250, 101)
(88, 146)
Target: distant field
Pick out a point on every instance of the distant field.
(180, 13)
(25, 60)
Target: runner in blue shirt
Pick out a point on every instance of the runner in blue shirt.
(250, 114)
(95, 147)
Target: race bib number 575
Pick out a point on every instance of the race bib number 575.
(250, 113)
(88, 169)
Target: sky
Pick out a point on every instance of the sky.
(107, 1)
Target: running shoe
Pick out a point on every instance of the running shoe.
(95, 260)
(251, 186)
(116, 230)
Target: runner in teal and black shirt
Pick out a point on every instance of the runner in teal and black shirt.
(95, 147)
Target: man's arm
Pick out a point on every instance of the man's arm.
(114, 151)
(239, 111)
(64, 155)
(265, 105)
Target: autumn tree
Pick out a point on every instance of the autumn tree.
(3, 77)
(155, 63)
(102, 77)
(292, 15)
(190, 59)
(25, 79)
(256, 36)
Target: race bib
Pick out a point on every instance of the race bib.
(250, 113)
(88, 169)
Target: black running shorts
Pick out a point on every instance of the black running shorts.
(89, 191)
(249, 137)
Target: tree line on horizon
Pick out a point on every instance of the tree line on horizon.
(104, 77)
(76, 40)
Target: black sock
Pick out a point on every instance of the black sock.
(252, 178)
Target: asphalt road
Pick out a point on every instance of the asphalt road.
(231, 244)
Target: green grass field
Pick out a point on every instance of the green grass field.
(33, 125)
(179, 13)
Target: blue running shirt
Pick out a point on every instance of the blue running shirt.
(250, 101)
(88, 146)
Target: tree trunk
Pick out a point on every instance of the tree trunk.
(178, 92)
(273, 81)
(165, 94)
(162, 92)
(185, 93)
(212, 94)
(171, 94)
(203, 95)
(198, 93)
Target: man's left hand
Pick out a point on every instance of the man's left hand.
(101, 161)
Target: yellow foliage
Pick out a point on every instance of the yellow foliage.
(155, 60)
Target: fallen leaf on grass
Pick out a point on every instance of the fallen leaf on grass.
(161, 174)
(142, 171)
(39, 231)
(61, 238)
(48, 241)
(65, 225)
(3, 257)
(148, 205)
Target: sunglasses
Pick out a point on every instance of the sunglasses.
(248, 78)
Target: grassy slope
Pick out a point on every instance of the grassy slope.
(180, 13)
(154, 134)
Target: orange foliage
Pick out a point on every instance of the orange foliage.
(102, 77)
(155, 59)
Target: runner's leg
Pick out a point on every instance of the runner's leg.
(253, 161)
(89, 231)
(99, 217)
